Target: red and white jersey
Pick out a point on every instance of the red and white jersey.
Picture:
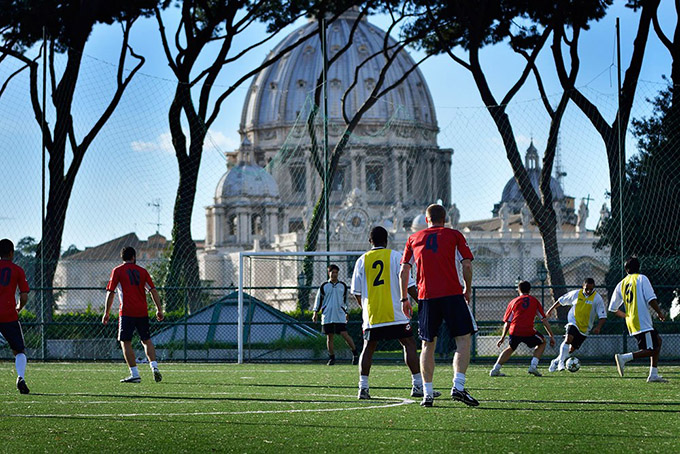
(521, 313)
(131, 282)
(435, 252)
(11, 277)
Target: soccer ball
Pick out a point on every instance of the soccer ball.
(572, 364)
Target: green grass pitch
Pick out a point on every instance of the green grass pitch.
(313, 408)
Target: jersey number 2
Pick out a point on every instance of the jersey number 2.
(378, 281)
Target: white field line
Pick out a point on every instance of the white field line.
(399, 402)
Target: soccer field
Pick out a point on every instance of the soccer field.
(313, 408)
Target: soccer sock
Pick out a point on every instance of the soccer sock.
(134, 371)
(564, 352)
(429, 389)
(459, 381)
(653, 371)
(355, 352)
(534, 362)
(363, 381)
(154, 364)
(496, 366)
(627, 357)
(417, 380)
(20, 364)
(331, 356)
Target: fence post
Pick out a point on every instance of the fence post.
(186, 321)
(474, 314)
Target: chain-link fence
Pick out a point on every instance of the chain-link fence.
(209, 332)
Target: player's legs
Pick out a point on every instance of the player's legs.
(128, 354)
(655, 356)
(366, 359)
(538, 351)
(410, 354)
(502, 359)
(461, 359)
(149, 350)
(329, 344)
(350, 342)
(14, 336)
(427, 359)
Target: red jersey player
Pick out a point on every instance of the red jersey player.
(519, 321)
(435, 252)
(132, 282)
(11, 278)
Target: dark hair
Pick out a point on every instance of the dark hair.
(589, 280)
(6, 247)
(379, 236)
(632, 265)
(128, 253)
(332, 267)
(524, 286)
(436, 213)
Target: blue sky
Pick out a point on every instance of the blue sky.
(131, 163)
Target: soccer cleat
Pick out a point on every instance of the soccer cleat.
(553, 365)
(619, 364)
(355, 360)
(533, 370)
(157, 375)
(496, 373)
(131, 379)
(21, 385)
(656, 379)
(417, 391)
(331, 362)
(428, 401)
(463, 396)
(363, 394)
(561, 367)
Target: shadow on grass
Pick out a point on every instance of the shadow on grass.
(197, 398)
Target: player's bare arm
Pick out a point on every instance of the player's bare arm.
(467, 277)
(552, 308)
(314, 314)
(23, 299)
(107, 307)
(654, 304)
(413, 292)
(549, 330)
(159, 307)
(619, 313)
(404, 275)
(506, 327)
(358, 298)
(599, 326)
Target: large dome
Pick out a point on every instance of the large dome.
(279, 93)
(511, 192)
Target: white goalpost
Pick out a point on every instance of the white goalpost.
(278, 275)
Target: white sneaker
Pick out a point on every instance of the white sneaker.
(533, 370)
(553, 365)
(496, 373)
(656, 379)
(619, 364)
(561, 366)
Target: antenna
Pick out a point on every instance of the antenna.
(559, 172)
(156, 205)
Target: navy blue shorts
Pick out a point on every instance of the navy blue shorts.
(577, 338)
(454, 309)
(12, 333)
(333, 328)
(531, 341)
(127, 326)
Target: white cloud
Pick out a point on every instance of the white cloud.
(215, 139)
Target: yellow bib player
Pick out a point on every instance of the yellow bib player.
(586, 307)
(636, 294)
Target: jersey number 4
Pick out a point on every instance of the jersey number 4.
(5, 276)
(378, 279)
(431, 242)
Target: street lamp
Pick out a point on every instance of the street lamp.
(301, 280)
(542, 274)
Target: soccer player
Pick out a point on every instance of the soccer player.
(11, 277)
(586, 306)
(519, 321)
(331, 301)
(434, 251)
(132, 282)
(375, 285)
(636, 292)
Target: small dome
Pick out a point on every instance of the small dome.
(511, 192)
(419, 223)
(247, 180)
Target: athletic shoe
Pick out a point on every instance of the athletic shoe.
(331, 361)
(656, 379)
(21, 385)
(131, 379)
(157, 375)
(561, 366)
(428, 401)
(463, 396)
(553, 365)
(363, 394)
(496, 373)
(355, 360)
(619, 364)
(417, 391)
(533, 370)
